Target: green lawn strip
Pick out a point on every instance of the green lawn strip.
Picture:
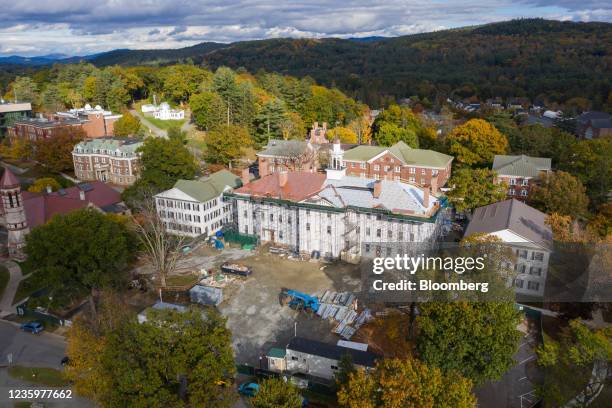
(181, 280)
(39, 375)
(4, 278)
(165, 124)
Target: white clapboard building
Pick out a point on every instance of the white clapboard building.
(197, 207)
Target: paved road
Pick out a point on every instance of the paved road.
(40, 350)
(6, 301)
(159, 132)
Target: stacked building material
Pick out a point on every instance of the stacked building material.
(341, 308)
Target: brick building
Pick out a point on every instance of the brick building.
(520, 173)
(287, 155)
(109, 160)
(39, 128)
(399, 162)
(96, 122)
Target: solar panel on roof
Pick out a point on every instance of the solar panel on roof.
(85, 187)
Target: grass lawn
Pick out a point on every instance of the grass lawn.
(165, 124)
(4, 278)
(181, 280)
(25, 288)
(39, 375)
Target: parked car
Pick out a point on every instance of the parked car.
(65, 361)
(33, 327)
(248, 389)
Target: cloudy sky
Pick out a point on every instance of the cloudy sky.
(79, 27)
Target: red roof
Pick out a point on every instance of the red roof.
(299, 186)
(41, 207)
(8, 179)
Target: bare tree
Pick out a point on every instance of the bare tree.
(163, 249)
(298, 157)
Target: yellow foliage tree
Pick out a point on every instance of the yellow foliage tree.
(41, 184)
(405, 383)
(17, 150)
(476, 142)
(362, 128)
(345, 135)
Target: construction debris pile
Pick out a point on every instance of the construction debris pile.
(341, 308)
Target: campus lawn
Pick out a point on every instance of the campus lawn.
(165, 124)
(39, 375)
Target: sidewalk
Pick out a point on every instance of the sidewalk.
(6, 303)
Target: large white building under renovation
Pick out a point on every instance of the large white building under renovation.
(197, 207)
(334, 215)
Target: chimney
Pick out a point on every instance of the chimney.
(315, 125)
(325, 125)
(49, 189)
(434, 184)
(245, 176)
(282, 178)
(426, 197)
(377, 188)
(82, 195)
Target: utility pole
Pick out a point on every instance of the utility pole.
(268, 117)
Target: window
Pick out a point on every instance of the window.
(294, 358)
(367, 248)
(280, 218)
(389, 234)
(411, 237)
(533, 285)
(378, 232)
(387, 168)
(523, 193)
(398, 169)
(376, 167)
(423, 171)
(513, 182)
(534, 270)
(412, 170)
(289, 220)
(434, 173)
(280, 234)
(525, 182)
(362, 165)
(518, 283)
(368, 231)
(334, 367)
(537, 256)
(271, 217)
(400, 235)
(328, 215)
(412, 180)
(522, 253)
(328, 230)
(511, 191)
(307, 226)
(388, 251)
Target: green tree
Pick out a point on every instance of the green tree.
(55, 153)
(591, 162)
(23, 89)
(346, 368)
(208, 110)
(72, 261)
(276, 393)
(292, 126)
(471, 188)
(268, 121)
(577, 350)
(41, 184)
(182, 81)
(406, 383)
(476, 339)
(476, 142)
(225, 143)
(127, 125)
(173, 359)
(389, 133)
(560, 193)
(52, 99)
(164, 161)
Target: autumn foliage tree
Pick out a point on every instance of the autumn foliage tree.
(276, 393)
(476, 142)
(560, 193)
(345, 135)
(406, 383)
(127, 125)
(41, 184)
(55, 153)
(225, 143)
(471, 188)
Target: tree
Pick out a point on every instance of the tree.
(560, 193)
(590, 161)
(276, 393)
(292, 126)
(268, 121)
(41, 184)
(361, 127)
(72, 261)
(164, 161)
(345, 135)
(476, 142)
(345, 369)
(55, 153)
(174, 359)
(182, 81)
(127, 125)
(476, 339)
(601, 223)
(17, 149)
(208, 110)
(23, 89)
(471, 188)
(389, 133)
(405, 383)
(225, 143)
(162, 249)
(577, 351)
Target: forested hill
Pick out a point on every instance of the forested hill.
(549, 61)
(537, 58)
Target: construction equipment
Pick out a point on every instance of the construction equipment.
(299, 300)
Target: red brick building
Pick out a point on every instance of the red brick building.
(399, 162)
(520, 173)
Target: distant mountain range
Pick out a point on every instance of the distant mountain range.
(528, 57)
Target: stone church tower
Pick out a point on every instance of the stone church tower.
(14, 214)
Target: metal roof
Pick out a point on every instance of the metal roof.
(408, 155)
(209, 188)
(520, 166)
(332, 351)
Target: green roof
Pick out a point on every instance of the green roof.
(210, 187)
(410, 156)
(108, 146)
(520, 166)
(277, 352)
